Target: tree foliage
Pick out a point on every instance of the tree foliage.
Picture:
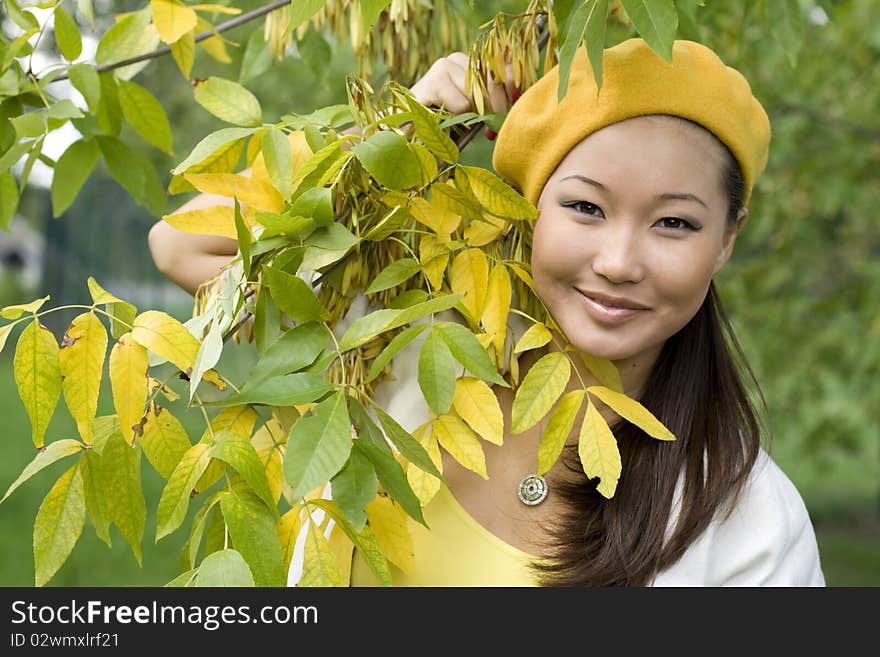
(388, 218)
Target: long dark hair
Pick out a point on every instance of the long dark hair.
(697, 389)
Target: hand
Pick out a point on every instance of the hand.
(443, 86)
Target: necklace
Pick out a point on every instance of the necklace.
(532, 489)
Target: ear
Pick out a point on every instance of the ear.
(729, 239)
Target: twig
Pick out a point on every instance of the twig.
(223, 27)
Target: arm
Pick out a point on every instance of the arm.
(188, 259)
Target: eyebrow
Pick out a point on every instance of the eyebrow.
(665, 197)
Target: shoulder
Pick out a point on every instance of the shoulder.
(765, 539)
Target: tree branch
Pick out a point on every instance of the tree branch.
(223, 27)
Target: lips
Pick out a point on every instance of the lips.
(610, 309)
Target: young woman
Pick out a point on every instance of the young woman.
(642, 189)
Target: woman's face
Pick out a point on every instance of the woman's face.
(632, 228)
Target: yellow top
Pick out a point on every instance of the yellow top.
(457, 551)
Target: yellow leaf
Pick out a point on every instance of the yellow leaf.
(214, 46)
(300, 154)
(541, 387)
(168, 393)
(172, 19)
(536, 336)
(631, 410)
(425, 485)
(598, 451)
(604, 370)
(498, 197)
(319, 562)
(461, 443)
(288, 530)
(494, 318)
(81, 360)
(166, 337)
(38, 377)
(59, 524)
(129, 364)
(523, 275)
(434, 256)
(483, 231)
(14, 312)
(268, 441)
(216, 220)
(477, 405)
(220, 9)
(435, 216)
(163, 439)
(343, 550)
(239, 420)
(254, 193)
(389, 523)
(558, 429)
(184, 53)
(469, 276)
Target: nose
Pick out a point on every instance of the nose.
(617, 256)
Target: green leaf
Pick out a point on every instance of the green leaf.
(279, 160)
(354, 487)
(252, 529)
(656, 22)
(135, 173)
(67, 35)
(198, 524)
(393, 480)
(256, 59)
(124, 494)
(318, 446)
(53, 452)
(437, 373)
(214, 142)
(109, 113)
(558, 428)
(37, 376)
(369, 326)
(224, 568)
(8, 199)
(394, 274)
(131, 36)
(539, 390)
(326, 246)
(145, 114)
(404, 441)
(317, 204)
(296, 349)
(468, 351)
(432, 135)
(184, 579)
(370, 11)
(72, 170)
(302, 11)
(241, 455)
(229, 101)
(386, 156)
(59, 524)
(397, 343)
(210, 350)
(588, 21)
(175, 497)
(93, 475)
(295, 297)
(88, 83)
(365, 427)
(287, 390)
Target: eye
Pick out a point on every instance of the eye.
(676, 223)
(585, 207)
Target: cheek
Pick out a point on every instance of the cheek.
(555, 253)
(684, 280)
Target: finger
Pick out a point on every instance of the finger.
(443, 85)
(498, 98)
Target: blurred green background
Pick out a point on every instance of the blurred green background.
(803, 287)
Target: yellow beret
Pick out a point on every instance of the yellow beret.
(538, 132)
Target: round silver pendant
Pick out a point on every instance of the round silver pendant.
(532, 490)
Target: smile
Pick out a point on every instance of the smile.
(611, 310)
